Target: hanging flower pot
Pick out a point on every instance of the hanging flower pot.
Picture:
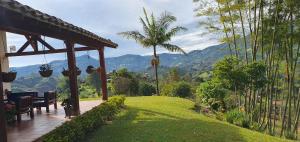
(45, 70)
(155, 61)
(90, 69)
(78, 72)
(66, 72)
(9, 76)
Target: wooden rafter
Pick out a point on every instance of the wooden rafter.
(29, 53)
(45, 43)
(24, 46)
(33, 42)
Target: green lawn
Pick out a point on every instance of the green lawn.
(165, 119)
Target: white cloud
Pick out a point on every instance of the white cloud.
(109, 17)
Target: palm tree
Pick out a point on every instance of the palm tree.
(156, 33)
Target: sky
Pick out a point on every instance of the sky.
(107, 18)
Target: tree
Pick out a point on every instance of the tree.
(156, 33)
(94, 80)
(173, 75)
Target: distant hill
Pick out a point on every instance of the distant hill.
(28, 78)
(195, 60)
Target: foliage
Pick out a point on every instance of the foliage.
(177, 89)
(212, 93)
(81, 126)
(146, 89)
(124, 82)
(94, 80)
(87, 91)
(173, 75)
(230, 73)
(183, 90)
(63, 88)
(238, 118)
(45, 67)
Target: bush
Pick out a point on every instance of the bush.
(230, 101)
(180, 89)
(146, 89)
(79, 127)
(183, 90)
(238, 118)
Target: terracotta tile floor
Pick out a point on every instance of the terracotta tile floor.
(29, 130)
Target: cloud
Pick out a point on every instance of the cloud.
(109, 17)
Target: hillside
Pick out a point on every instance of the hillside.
(198, 60)
(167, 119)
(194, 61)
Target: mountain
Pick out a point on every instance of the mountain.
(199, 60)
(194, 61)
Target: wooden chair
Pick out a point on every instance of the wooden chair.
(48, 99)
(24, 105)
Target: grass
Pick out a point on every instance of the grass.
(166, 119)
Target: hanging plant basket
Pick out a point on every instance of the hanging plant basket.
(9, 76)
(45, 70)
(90, 69)
(66, 72)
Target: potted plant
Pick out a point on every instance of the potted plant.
(65, 72)
(45, 70)
(90, 69)
(9, 76)
(67, 104)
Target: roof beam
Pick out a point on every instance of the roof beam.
(30, 53)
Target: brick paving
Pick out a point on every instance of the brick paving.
(29, 130)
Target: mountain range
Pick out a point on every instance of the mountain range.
(196, 60)
(28, 78)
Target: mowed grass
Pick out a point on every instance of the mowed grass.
(167, 119)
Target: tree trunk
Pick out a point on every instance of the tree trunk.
(156, 73)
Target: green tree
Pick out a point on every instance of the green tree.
(94, 81)
(212, 92)
(156, 33)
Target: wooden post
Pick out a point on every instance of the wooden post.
(73, 77)
(103, 74)
(3, 133)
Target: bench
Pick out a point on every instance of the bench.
(48, 99)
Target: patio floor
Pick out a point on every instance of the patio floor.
(29, 130)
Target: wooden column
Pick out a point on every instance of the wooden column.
(73, 77)
(3, 133)
(103, 74)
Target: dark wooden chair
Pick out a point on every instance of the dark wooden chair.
(24, 105)
(48, 99)
(23, 102)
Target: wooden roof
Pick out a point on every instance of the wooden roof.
(22, 19)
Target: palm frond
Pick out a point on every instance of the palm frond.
(138, 37)
(172, 48)
(174, 31)
(166, 19)
(146, 27)
(146, 17)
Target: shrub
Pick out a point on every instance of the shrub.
(180, 89)
(230, 101)
(220, 116)
(238, 118)
(79, 127)
(183, 90)
(146, 89)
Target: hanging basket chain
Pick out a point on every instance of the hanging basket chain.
(43, 46)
